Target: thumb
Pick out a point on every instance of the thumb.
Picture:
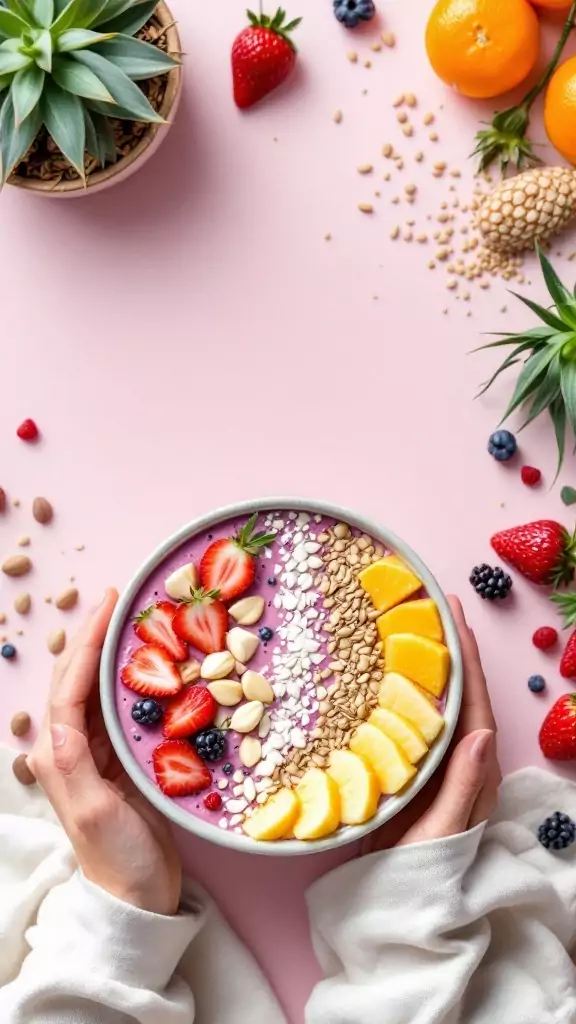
(73, 760)
(464, 780)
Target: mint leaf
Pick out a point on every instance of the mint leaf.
(568, 495)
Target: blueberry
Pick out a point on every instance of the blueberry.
(536, 684)
(8, 651)
(147, 712)
(352, 12)
(502, 445)
(210, 744)
(272, 581)
(228, 768)
(265, 633)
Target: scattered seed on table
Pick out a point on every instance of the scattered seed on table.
(365, 207)
(408, 235)
(20, 724)
(23, 542)
(433, 136)
(16, 502)
(337, 116)
(395, 233)
(365, 168)
(411, 100)
(23, 603)
(376, 47)
(431, 265)
(387, 176)
(42, 511)
(2, 618)
(352, 56)
(419, 156)
(399, 164)
(67, 599)
(387, 150)
(399, 100)
(327, 238)
(410, 189)
(367, 63)
(402, 117)
(56, 641)
(22, 771)
(2, 500)
(429, 119)
(79, 547)
(389, 39)
(421, 238)
(451, 284)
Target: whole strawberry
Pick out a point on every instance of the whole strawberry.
(568, 661)
(263, 55)
(558, 732)
(544, 552)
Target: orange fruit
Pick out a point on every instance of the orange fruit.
(483, 47)
(560, 110)
(552, 5)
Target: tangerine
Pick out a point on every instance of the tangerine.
(560, 110)
(483, 47)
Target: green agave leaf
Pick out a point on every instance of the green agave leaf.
(44, 50)
(135, 58)
(79, 38)
(102, 145)
(77, 14)
(112, 8)
(567, 311)
(558, 417)
(11, 25)
(75, 78)
(27, 88)
(559, 293)
(528, 379)
(131, 20)
(568, 385)
(542, 313)
(21, 8)
(10, 62)
(16, 139)
(42, 12)
(64, 118)
(126, 94)
(547, 392)
(534, 335)
(509, 361)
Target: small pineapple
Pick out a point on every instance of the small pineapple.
(70, 65)
(530, 208)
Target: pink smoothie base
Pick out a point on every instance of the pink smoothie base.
(138, 743)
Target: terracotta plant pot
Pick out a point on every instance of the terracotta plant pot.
(125, 166)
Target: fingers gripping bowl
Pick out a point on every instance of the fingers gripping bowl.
(281, 677)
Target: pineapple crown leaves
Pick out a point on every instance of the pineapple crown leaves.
(505, 140)
(251, 542)
(276, 24)
(566, 605)
(71, 65)
(547, 380)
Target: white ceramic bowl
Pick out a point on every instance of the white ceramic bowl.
(232, 840)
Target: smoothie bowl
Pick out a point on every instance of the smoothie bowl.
(281, 677)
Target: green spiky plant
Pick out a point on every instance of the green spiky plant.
(547, 381)
(71, 65)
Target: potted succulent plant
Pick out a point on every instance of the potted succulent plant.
(86, 89)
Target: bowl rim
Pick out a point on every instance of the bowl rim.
(223, 837)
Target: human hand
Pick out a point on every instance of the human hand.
(122, 844)
(465, 793)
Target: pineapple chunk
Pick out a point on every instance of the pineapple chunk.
(319, 805)
(358, 787)
(400, 695)
(388, 582)
(392, 767)
(421, 617)
(399, 729)
(275, 819)
(424, 661)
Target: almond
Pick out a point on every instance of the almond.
(56, 641)
(22, 771)
(17, 565)
(248, 611)
(217, 666)
(246, 718)
(222, 720)
(67, 599)
(227, 692)
(257, 687)
(189, 670)
(42, 511)
(20, 724)
(22, 604)
(250, 752)
(179, 584)
(242, 644)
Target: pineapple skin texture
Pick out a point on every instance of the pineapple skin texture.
(424, 661)
(531, 207)
(388, 582)
(421, 617)
(406, 699)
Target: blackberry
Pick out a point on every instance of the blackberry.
(147, 712)
(352, 12)
(210, 744)
(490, 583)
(265, 633)
(557, 832)
(502, 445)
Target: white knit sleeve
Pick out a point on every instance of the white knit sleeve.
(96, 960)
(394, 936)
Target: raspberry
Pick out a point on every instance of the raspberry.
(530, 476)
(27, 431)
(213, 802)
(545, 638)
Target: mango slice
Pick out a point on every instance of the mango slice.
(421, 617)
(275, 819)
(400, 695)
(358, 787)
(390, 764)
(388, 582)
(424, 661)
(319, 805)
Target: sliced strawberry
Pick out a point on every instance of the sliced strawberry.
(228, 564)
(154, 626)
(192, 710)
(179, 770)
(202, 621)
(152, 672)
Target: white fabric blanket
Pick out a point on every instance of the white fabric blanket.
(470, 930)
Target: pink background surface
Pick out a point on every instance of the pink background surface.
(190, 339)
